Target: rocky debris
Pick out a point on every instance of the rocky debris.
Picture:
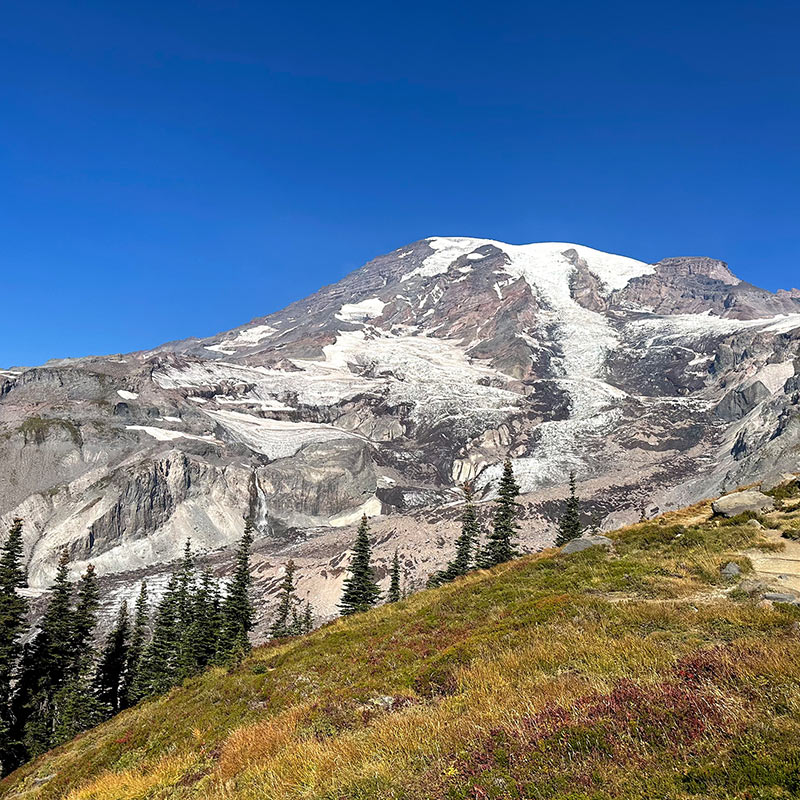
(585, 542)
(731, 570)
(731, 505)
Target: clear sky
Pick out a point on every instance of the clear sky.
(177, 168)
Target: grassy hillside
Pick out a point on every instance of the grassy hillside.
(641, 672)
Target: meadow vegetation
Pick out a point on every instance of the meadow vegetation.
(641, 671)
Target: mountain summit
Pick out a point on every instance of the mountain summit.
(657, 384)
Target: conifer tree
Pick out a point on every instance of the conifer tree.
(158, 666)
(287, 600)
(308, 618)
(500, 542)
(84, 618)
(13, 608)
(467, 544)
(237, 609)
(570, 525)
(75, 706)
(111, 677)
(185, 606)
(136, 648)
(203, 638)
(393, 595)
(45, 667)
(360, 590)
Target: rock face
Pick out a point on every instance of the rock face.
(658, 384)
(741, 502)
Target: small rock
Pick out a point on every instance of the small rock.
(731, 505)
(731, 570)
(779, 597)
(754, 523)
(585, 542)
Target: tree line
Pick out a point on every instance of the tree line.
(58, 684)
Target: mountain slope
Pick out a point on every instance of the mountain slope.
(658, 384)
(639, 671)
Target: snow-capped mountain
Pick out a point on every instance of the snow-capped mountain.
(658, 384)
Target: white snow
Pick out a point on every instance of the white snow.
(165, 435)
(615, 271)
(784, 324)
(360, 312)
(275, 438)
(246, 337)
(126, 395)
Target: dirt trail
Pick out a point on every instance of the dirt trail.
(779, 569)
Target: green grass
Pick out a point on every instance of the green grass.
(629, 673)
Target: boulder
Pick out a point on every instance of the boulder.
(754, 523)
(731, 570)
(585, 542)
(731, 505)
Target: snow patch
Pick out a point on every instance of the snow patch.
(361, 312)
(164, 435)
(275, 438)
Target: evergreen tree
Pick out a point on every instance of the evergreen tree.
(287, 600)
(360, 590)
(500, 542)
(237, 609)
(185, 606)
(570, 526)
(46, 666)
(136, 648)
(467, 544)
(203, 638)
(308, 618)
(158, 666)
(111, 677)
(393, 595)
(84, 618)
(75, 707)
(13, 608)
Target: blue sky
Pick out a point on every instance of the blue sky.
(177, 168)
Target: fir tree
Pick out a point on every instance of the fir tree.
(75, 707)
(393, 596)
(136, 648)
(467, 544)
(111, 677)
(158, 666)
(570, 526)
(46, 666)
(237, 609)
(308, 618)
(500, 542)
(184, 600)
(84, 618)
(203, 638)
(287, 600)
(360, 590)
(13, 608)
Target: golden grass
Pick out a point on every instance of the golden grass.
(488, 653)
